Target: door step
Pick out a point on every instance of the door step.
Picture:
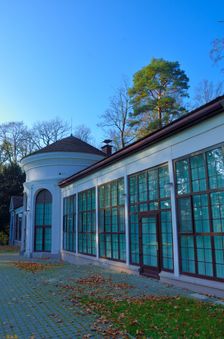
(149, 274)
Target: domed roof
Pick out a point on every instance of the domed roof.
(70, 144)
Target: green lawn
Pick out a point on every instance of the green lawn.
(121, 313)
(161, 317)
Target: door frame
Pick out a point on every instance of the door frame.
(144, 269)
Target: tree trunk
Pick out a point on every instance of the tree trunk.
(159, 116)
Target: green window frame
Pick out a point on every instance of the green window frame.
(87, 222)
(200, 211)
(149, 191)
(69, 223)
(112, 243)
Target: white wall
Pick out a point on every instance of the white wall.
(56, 165)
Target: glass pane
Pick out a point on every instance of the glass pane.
(187, 254)
(121, 220)
(47, 214)
(107, 220)
(122, 247)
(149, 241)
(198, 173)
(167, 240)
(201, 216)
(182, 177)
(39, 214)
(142, 187)
(115, 246)
(153, 184)
(164, 182)
(219, 256)
(108, 245)
(38, 238)
(215, 159)
(120, 191)
(89, 200)
(217, 205)
(101, 221)
(47, 240)
(114, 198)
(184, 208)
(133, 189)
(114, 220)
(102, 245)
(204, 255)
(84, 202)
(101, 196)
(165, 204)
(107, 196)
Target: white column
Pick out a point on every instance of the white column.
(97, 222)
(126, 219)
(174, 221)
(22, 249)
(30, 223)
(56, 219)
(24, 220)
(27, 250)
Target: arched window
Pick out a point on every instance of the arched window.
(43, 217)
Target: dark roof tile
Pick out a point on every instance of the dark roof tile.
(70, 144)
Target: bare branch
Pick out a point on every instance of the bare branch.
(47, 132)
(207, 91)
(115, 119)
(84, 133)
(14, 141)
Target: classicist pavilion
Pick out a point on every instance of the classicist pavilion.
(156, 206)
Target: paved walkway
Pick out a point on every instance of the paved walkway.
(33, 305)
(30, 306)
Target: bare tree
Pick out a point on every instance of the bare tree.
(217, 51)
(115, 120)
(207, 91)
(84, 133)
(45, 133)
(14, 141)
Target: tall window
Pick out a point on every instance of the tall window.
(87, 222)
(43, 217)
(18, 227)
(69, 223)
(111, 221)
(149, 191)
(200, 200)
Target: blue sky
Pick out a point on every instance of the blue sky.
(65, 58)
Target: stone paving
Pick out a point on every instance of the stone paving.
(32, 305)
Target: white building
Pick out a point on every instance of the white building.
(156, 205)
(44, 170)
